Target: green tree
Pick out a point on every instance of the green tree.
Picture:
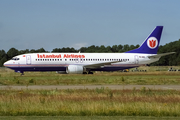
(3, 60)
(126, 48)
(56, 50)
(114, 48)
(108, 49)
(82, 49)
(120, 48)
(40, 50)
(102, 48)
(91, 49)
(24, 51)
(12, 52)
(3, 57)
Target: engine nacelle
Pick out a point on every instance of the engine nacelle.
(75, 69)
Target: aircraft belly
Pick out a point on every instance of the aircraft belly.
(35, 68)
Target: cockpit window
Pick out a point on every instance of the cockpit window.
(15, 59)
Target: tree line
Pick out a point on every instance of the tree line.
(170, 60)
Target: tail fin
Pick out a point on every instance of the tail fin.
(150, 45)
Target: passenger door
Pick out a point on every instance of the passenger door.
(136, 58)
(28, 60)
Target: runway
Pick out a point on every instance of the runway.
(113, 87)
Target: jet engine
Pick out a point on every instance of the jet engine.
(75, 69)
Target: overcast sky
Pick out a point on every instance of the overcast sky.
(33, 24)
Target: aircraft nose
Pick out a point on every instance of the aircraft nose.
(6, 64)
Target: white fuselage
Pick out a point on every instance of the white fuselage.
(87, 61)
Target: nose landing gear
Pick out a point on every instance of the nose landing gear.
(22, 72)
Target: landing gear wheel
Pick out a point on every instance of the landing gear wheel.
(22, 73)
(90, 72)
(84, 72)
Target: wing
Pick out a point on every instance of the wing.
(98, 65)
(160, 55)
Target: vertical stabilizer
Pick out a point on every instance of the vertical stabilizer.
(151, 44)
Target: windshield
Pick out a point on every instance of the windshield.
(15, 59)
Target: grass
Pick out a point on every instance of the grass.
(86, 118)
(90, 102)
(152, 77)
(85, 102)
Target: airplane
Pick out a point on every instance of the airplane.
(86, 63)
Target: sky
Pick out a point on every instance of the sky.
(49, 24)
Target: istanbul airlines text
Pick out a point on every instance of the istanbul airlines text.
(83, 63)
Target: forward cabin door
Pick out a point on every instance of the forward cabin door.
(28, 60)
(136, 58)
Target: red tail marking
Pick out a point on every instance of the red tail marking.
(152, 43)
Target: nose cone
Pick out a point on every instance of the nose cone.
(6, 64)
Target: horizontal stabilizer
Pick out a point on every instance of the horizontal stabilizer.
(160, 55)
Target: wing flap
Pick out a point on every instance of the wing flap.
(98, 65)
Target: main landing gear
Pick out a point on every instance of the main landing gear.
(89, 72)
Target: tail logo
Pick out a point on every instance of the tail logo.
(152, 42)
